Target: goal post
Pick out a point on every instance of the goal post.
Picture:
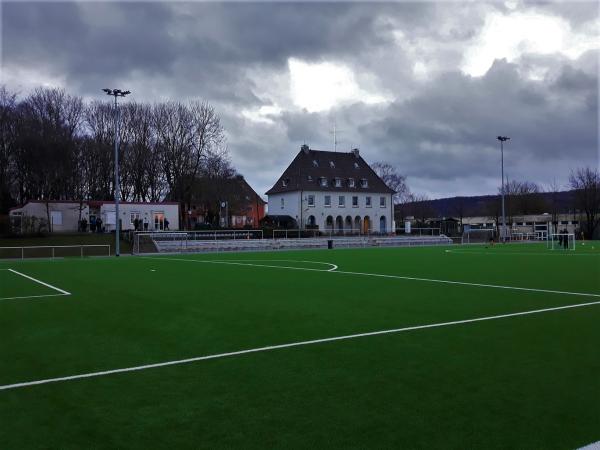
(478, 235)
(561, 241)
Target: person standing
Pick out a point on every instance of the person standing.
(565, 239)
(560, 239)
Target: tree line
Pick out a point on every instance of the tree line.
(522, 198)
(55, 146)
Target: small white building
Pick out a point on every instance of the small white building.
(151, 216)
(36, 214)
(332, 191)
(64, 216)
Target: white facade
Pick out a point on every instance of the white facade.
(65, 216)
(155, 215)
(325, 210)
(529, 223)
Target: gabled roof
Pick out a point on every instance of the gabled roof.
(309, 167)
(247, 189)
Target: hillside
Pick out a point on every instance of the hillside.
(479, 205)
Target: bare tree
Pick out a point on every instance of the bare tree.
(522, 197)
(99, 157)
(394, 180)
(53, 147)
(459, 210)
(586, 183)
(553, 204)
(50, 124)
(420, 207)
(185, 134)
(217, 182)
(8, 102)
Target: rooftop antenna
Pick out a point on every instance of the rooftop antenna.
(334, 132)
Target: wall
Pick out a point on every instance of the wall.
(291, 205)
(69, 212)
(146, 211)
(320, 211)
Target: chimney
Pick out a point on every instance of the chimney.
(355, 152)
(305, 148)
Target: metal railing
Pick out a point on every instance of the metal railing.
(52, 251)
(419, 231)
(315, 233)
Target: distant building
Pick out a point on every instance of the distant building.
(64, 216)
(253, 207)
(230, 200)
(535, 226)
(332, 191)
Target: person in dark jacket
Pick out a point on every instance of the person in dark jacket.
(560, 239)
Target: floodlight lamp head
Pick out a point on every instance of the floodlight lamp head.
(503, 138)
(108, 91)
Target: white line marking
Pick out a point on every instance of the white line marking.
(32, 296)
(333, 266)
(233, 263)
(41, 282)
(291, 344)
(592, 446)
(398, 277)
(464, 283)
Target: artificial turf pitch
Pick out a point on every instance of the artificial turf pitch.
(524, 381)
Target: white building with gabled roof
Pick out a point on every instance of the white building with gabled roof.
(332, 191)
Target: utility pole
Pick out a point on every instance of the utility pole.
(117, 93)
(502, 140)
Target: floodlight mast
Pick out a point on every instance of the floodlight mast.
(502, 140)
(117, 93)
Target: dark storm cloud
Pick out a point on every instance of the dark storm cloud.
(447, 131)
(90, 41)
(457, 111)
(438, 130)
(126, 37)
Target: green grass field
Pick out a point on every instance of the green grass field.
(505, 380)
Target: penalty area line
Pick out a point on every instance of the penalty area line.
(63, 292)
(288, 345)
(25, 297)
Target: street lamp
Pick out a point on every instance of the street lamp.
(117, 93)
(502, 140)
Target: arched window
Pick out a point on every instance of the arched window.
(382, 225)
(329, 223)
(348, 224)
(339, 223)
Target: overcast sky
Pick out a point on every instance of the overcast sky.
(426, 86)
